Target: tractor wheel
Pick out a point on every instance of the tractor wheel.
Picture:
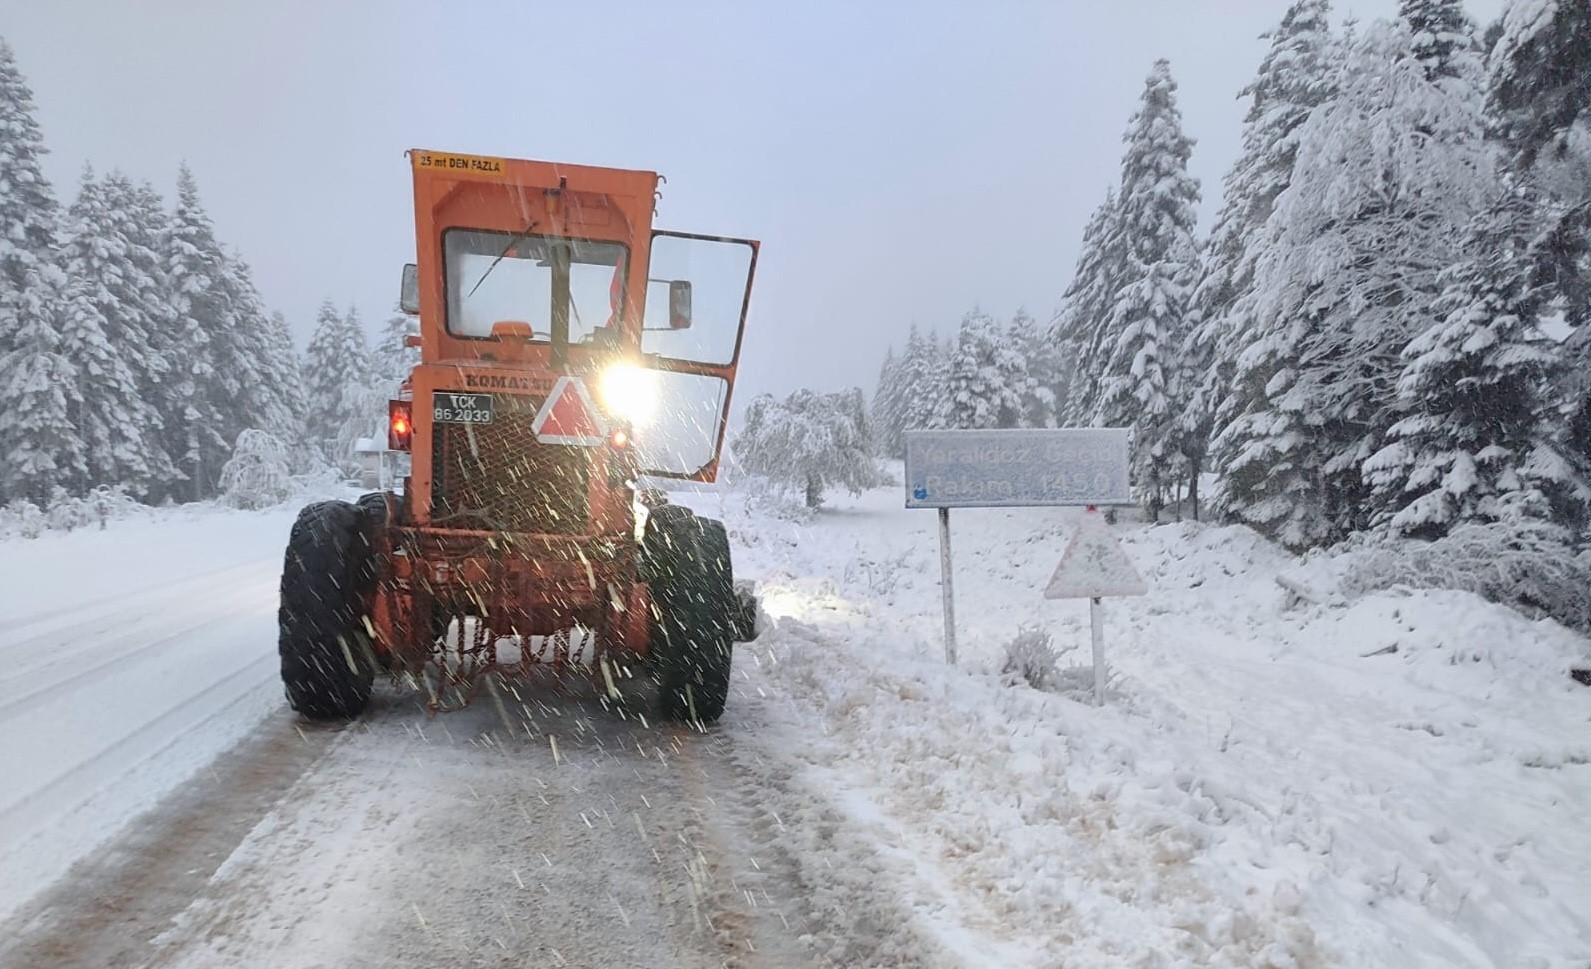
(328, 575)
(687, 561)
(374, 507)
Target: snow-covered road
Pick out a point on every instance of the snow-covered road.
(128, 659)
(1403, 780)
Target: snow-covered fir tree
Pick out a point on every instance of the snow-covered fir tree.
(1539, 91)
(270, 398)
(392, 359)
(1085, 307)
(923, 376)
(1539, 105)
(809, 441)
(1293, 79)
(28, 277)
(1475, 436)
(1441, 36)
(886, 414)
(986, 377)
(38, 393)
(201, 392)
(336, 375)
(1041, 366)
(105, 334)
(1060, 374)
(1141, 381)
(142, 223)
(1387, 173)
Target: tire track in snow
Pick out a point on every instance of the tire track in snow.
(107, 613)
(119, 658)
(86, 779)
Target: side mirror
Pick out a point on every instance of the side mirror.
(409, 291)
(679, 304)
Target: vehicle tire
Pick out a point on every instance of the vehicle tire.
(328, 576)
(374, 507)
(687, 559)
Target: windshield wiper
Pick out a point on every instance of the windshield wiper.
(516, 240)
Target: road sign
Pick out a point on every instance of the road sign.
(1017, 468)
(567, 416)
(1094, 565)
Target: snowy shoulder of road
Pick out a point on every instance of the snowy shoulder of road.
(1402, 780)
(1398, 780)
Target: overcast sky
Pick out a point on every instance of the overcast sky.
(900, 160)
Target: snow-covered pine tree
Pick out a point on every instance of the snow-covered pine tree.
(29, 279)
(923, 380)
(1085, 307)
(1293, 79)
(1539, 91)
(202, 391)
(1035, 346)
(887, 400)
(986, 376)
(1141, 381)
(1442, 37)
(104, 334)
(1474, 440)
(810, 441)
(284, 363)
(145, 314)
(1388, 172)
(391, 359)
(336, 374)
(270, 398)
(1539, 103)
(38, 392)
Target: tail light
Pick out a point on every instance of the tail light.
(400, 425)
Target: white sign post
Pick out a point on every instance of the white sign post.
(1094, 566)
(1012, 469)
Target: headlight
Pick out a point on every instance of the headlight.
(630, 393)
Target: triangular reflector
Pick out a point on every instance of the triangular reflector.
(567, 416)
(1094, 565)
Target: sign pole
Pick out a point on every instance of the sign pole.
(946, 586)
(1096, 620)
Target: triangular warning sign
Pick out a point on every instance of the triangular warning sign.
(1094, 565)
(567, 416)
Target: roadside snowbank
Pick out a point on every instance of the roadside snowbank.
(1403, 781)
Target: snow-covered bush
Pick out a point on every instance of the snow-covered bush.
(766, 499)
(67, 512)
(1526, 564)
(1031, 657)
(108, 504)
(257, 474)
(22, 518)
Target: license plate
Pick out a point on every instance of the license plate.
(461, 408)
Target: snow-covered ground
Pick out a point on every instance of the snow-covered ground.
(1401, 781)
(129, 658)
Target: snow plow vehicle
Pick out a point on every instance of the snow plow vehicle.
(568, 353)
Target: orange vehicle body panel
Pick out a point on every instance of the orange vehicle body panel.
(528, 583)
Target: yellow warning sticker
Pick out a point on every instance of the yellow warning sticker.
(459, 164)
